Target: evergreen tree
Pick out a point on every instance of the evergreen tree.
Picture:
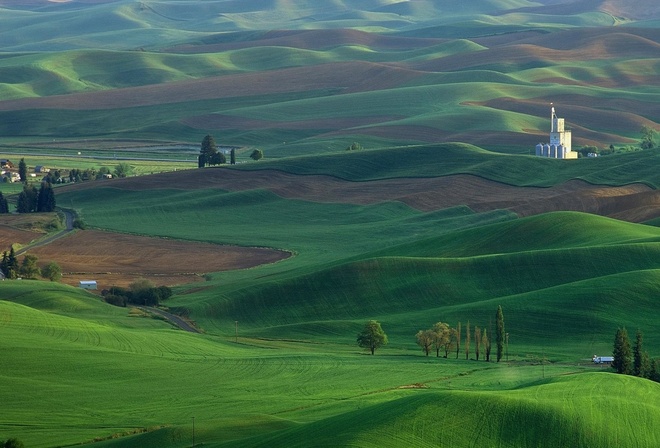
(654, 374)
(207, 150)
(46, 198)
(9, 264)
(637, 354)
(477, 342)
(499, 332)
(27, 199)
(486, 343)
(4, 264)
(232, 156)
(467, 340)
(458, 339)
(22, 170)
(622, 353)
(4, 206)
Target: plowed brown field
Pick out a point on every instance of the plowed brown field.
(119, 259)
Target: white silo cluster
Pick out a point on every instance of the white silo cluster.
(560, 141)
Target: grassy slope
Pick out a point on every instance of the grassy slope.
(458, 158)
(86, 361)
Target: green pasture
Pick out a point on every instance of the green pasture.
(80, 370)
(459, 158)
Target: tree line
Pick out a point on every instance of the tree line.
(633, 359)
(444, 339)
(28, 268)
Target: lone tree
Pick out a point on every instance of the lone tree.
(622, 352)
(207, 151)
(499, 332)
(372, 336)
(257, 154)
(22, 170)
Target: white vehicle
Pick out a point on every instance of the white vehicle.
(603, 359)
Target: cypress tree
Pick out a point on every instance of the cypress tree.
(22, 170)
(458, 339)
(233, 156)
(467, 341)
(4, 206)
(499, 332)
(622, 353)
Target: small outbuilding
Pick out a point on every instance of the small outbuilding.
(88, 284)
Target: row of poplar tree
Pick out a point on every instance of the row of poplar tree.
(634, 360)
(443, 338)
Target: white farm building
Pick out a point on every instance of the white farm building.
(560, 141)
(88, 284)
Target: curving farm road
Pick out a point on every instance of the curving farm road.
(69, 217)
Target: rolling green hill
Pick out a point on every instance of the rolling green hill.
(432, 90)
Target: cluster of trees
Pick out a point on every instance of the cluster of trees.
(209, 154)
(647, 141)
(355, 146)
(141, 292)
(33, 200)
(629, 360)
(28, 268)
(122, 169)
(443, 338)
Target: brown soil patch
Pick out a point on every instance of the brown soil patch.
(120, 259)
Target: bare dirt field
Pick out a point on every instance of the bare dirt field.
(119, 259)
